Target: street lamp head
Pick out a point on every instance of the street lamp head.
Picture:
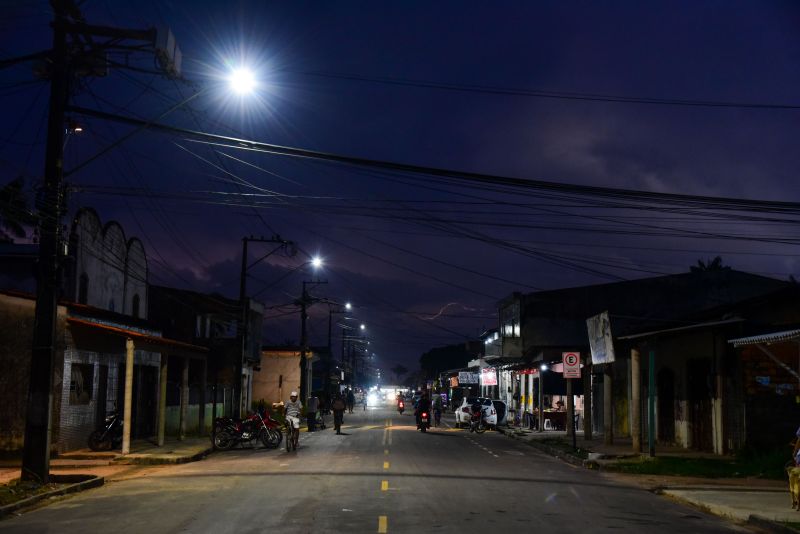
(363, 326)
(348, 306)
(242, 81)
(543, 367)
(316, 262)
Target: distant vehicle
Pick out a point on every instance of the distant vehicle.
(464, 411)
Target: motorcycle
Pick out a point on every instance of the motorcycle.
(228, 431)
(477, 422)
(424, 422)
(109, 436)
(401, 406)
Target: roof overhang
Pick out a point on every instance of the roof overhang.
(767, 339)
(142, 341)
(680, 329)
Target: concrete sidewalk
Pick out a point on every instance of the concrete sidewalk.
(765, 502)
(143, 452)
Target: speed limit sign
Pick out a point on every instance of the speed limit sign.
(572, 364)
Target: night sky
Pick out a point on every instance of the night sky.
(516, 89)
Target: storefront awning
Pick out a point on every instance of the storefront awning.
(766, 339)
(141, 340)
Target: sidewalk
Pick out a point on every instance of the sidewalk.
(105, 464)
(741, 499)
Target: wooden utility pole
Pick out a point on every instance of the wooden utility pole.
(36, 454)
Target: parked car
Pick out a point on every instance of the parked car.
(464, 411)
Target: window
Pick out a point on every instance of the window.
(510, 320)
(80, 383)
(83, 289)
(135, 306)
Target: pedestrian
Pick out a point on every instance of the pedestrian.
(311, 413)
(338, 408)
(364, 401)
(351, 400)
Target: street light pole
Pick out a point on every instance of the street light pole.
(305, 368)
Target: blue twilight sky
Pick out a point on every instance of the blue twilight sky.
(403, 247)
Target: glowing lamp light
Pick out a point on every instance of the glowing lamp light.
(316, 262)
(543, 367)
(348, 306)
(242, 81)
(363, 326)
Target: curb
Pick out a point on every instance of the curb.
(753, 519)
(81, 483)
(146, 460)
(770, 525)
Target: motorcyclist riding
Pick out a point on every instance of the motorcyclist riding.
(423, 406)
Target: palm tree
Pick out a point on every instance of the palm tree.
(710, 265)
(398, 371)
(15, 214)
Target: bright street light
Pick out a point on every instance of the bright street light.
(363, 326)
(316, 262)
(543, 367)
(242, 81)
(348, 306)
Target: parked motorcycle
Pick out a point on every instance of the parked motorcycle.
(229, 432)
(424, 422)
(401, 406)
(109, 436)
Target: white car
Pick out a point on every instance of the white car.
(464, 411)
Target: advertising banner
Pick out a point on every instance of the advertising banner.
(488, 377)
(600, 341)
(465, 377)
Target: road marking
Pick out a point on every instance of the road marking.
(386, 465)
(383, 524)
(495, 456)
(384, 485)
(385, 451)
(390, 437)
(385, 432)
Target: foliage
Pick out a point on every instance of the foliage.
(15, 214)
(398, 371)
(16, 490)
(441, 359)
(765, 465)
(710, 265)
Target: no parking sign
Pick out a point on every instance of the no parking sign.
(572, 364)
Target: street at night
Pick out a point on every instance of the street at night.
(380, 471)
(567, 229)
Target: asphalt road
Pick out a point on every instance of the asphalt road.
(382, 475)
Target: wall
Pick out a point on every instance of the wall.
(274, 364)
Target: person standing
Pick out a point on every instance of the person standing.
(338, 408)
(351, 400)
(311, 413)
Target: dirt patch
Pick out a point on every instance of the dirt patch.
(17, 490)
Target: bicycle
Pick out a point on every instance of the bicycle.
(292, 433)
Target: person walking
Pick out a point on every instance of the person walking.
(338, 408)
(351, 400)
(311, 413)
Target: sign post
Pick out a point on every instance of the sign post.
(572, 369)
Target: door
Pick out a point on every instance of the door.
(145, 397)
(665, 388)
(102, 395)
(698, 383)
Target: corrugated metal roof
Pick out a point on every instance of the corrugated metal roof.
(775, 337)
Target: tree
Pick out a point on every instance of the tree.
(710, 265)
(15, 214)
(441, 359)
(398, 371)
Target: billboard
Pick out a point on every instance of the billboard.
(465, 377)
(600, 341)
(488, 377)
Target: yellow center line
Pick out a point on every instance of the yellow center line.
(384, 485)
(383, 524)
(386, 465)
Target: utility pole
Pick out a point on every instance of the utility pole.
(305, 369)
(36, 454)
(244, 317)
(67, 21)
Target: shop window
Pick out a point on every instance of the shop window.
(80, 383)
